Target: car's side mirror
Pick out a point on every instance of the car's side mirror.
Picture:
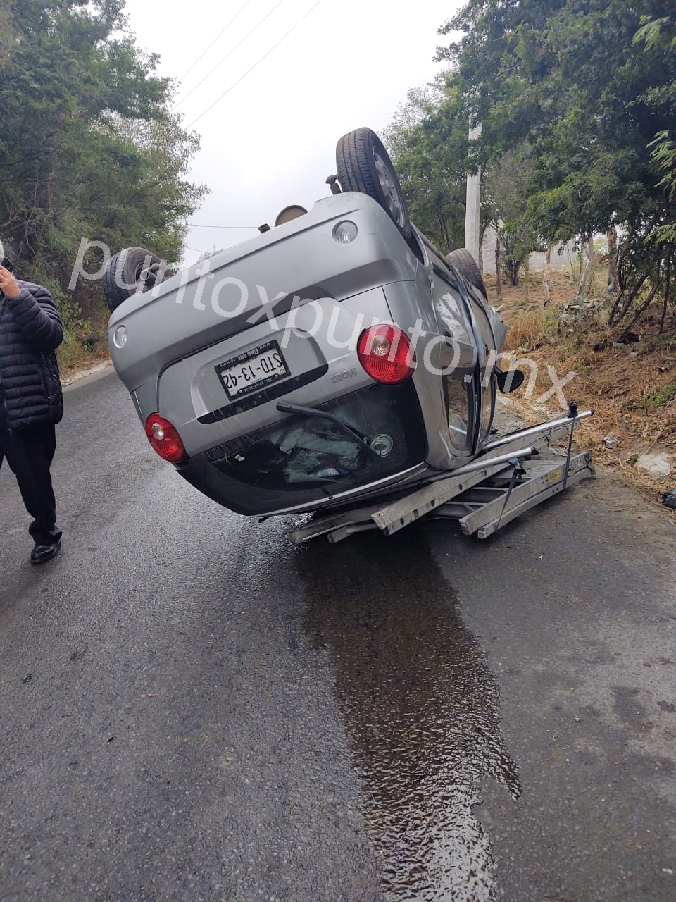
(509, 381)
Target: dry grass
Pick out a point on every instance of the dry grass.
(71, 365)
(526, 330)
(631, 387)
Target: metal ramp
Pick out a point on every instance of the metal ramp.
(512, 475)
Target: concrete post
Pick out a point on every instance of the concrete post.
(473, 208)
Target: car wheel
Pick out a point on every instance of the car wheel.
(464, 262)
(133, 269)
(365, 166)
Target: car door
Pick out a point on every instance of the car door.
(458, 362)
(486, 362)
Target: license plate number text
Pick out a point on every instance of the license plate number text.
(252, 370)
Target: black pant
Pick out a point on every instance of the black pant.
(29, 453)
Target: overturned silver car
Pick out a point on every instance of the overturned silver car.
(334, 357)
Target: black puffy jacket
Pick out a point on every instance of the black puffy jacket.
(30, 332)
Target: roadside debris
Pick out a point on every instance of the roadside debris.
(668, 498)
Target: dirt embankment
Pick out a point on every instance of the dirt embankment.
(631, 386)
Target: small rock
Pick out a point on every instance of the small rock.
(655, 464)
(610, 441)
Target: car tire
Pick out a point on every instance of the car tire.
(464, 262)
(365, 166)
(133, 269)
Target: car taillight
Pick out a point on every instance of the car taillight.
(165, 439)
(385, 353)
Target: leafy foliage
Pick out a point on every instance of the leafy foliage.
(589, 87)
(428, 144)
(88, 146)
(504, 203)
(568, 77)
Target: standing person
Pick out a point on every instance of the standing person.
(31, 402)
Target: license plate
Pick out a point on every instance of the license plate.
(252, 370)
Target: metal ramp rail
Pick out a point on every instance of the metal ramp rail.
(510, 477)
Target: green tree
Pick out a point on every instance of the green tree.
(504, 205)
(589, 84)
(428, 144)
(88, 146)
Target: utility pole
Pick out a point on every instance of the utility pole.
(473, 207)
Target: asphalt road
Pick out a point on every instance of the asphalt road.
(192, 709)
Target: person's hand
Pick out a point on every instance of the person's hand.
(8, 284)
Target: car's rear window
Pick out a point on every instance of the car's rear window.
(304, 458)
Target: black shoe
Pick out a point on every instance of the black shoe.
(42, 553)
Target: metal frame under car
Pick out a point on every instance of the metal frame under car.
(512, 475)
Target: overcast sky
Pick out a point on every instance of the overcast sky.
(270, 140)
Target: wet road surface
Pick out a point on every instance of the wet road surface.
(193, 709)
